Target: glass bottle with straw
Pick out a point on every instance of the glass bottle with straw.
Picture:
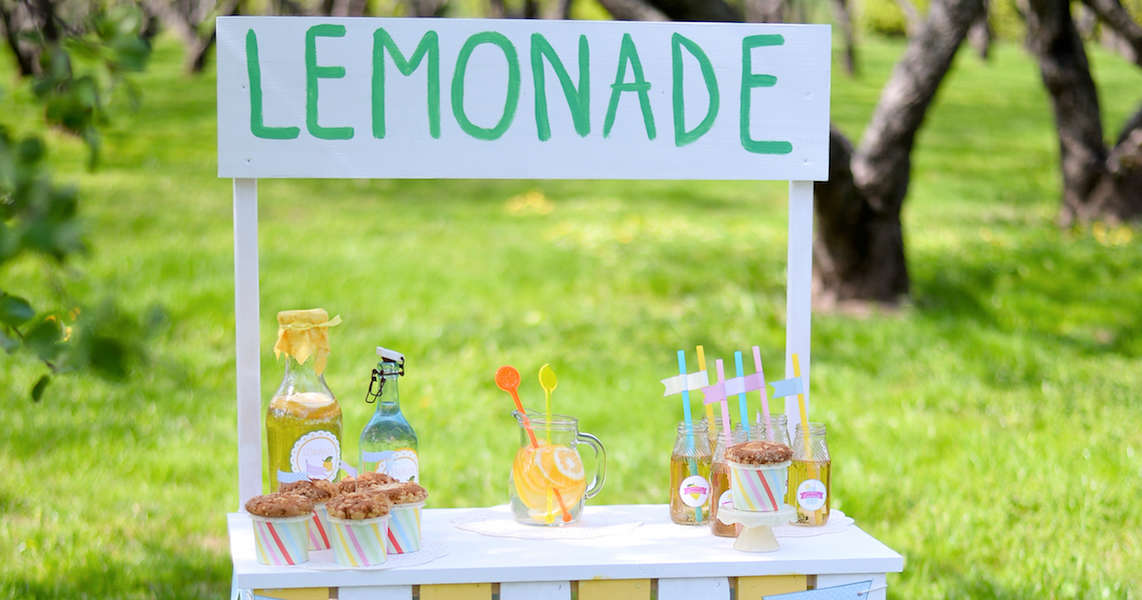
(810, 473)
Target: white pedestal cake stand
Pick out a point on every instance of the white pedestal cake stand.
(757, 527)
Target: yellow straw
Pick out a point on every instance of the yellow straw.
(702, 367)
(801, 405)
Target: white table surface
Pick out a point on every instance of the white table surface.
(658, 549)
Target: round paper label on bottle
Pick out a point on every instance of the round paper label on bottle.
(811, 494)
(317, 455)
(726, 499)
(694, 490)
(401, 465)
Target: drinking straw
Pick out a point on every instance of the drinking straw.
(692, 465)
(725, 409)
(702, 367)
(764, 393)
(801, 404)
(743, 412)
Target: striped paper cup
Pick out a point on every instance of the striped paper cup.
(404, 528)
(359, 543)
(318, 528)
(281, 541)
(758, 487)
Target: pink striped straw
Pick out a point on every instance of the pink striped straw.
(764, 392)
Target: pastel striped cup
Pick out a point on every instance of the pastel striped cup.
(318, 528)
(404, 528)
(359, 543)
(281, 541)
(758, 487)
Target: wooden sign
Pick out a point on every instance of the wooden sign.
(458, 98)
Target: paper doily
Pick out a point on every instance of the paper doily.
(498, 521)
(322, 560)
(838, 522)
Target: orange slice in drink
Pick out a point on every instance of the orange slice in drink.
(538, 471)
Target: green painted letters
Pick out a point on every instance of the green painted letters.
(578, 100)
(752, 80)
(681, 136)
(429, 46)
(254, 70)
(510, 102)
(313, 72)
(629, 54)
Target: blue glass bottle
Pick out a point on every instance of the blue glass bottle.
(388, 442)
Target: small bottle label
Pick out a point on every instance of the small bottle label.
(402, 465)
(811, 494)
(317, 455)
(694, 490)
(726, 500)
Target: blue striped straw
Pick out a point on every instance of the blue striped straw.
(743, 411)
(693, 466)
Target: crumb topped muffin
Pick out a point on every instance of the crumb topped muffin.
(364, 480)
(317, 490)
(401, 493)
(279, 505)
(359, 505)
(758, 452)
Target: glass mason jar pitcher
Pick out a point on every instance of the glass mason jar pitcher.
(548, 485)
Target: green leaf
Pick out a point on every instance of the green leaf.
(14, 310)
(7, 343)
(41, 385)
(43, 339)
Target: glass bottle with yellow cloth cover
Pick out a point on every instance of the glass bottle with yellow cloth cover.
(548, 483)
(388, 442)
(303, 421)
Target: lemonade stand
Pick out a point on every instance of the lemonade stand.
(454, 98)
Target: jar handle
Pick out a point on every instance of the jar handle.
(600, 462)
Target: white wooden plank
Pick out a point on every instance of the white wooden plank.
(879, 588)
(379, 592)
(786, 118)
(651, 550)
(799, 290)
(536, 590)
(246, 333)
(705, 588)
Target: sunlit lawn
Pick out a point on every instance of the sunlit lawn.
(991, 432)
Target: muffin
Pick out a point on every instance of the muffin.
(364, 480)
(406, 492)
(279, 505)
(404, 522)
(758, 452)
(357, 506)
(319, 491)
(280, 523)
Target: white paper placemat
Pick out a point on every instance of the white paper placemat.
(838, 522)
(498, 521)
(322, 560)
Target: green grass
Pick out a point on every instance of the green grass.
(990, 432)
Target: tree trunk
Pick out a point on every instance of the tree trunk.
(1126, 32)
(765, 11)
(845, 17)
(859, 251)
(25, 56)
(1098, 183)
(980, 34)
(633, 10)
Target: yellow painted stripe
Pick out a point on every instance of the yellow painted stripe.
(456, 591)
(345, 545)
(754, 588)
(295, 593)
(611, 589)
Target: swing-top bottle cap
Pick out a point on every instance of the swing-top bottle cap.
(390, 355)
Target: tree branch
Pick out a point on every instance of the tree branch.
(701, 10)
(1115, 16)
(633, 10)
(912, 18)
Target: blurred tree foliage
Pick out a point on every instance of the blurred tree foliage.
(80, 75)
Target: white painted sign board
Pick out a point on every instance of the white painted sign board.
(488, 99)
(462, 98)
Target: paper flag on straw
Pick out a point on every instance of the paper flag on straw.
(690, 382)
(737, 385)
(786, 387)
(349, 470)
(847, 591)
(290, 477)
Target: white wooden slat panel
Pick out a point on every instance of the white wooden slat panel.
(536, 590)
(878, 591)
(384, 592)
(799, 290)
(707, 588)
(247, 346)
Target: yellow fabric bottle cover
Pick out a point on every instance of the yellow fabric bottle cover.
(305, 333)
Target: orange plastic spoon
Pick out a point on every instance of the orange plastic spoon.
(507, 379)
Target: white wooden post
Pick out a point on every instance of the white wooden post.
(246, 321)
(798, 289)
